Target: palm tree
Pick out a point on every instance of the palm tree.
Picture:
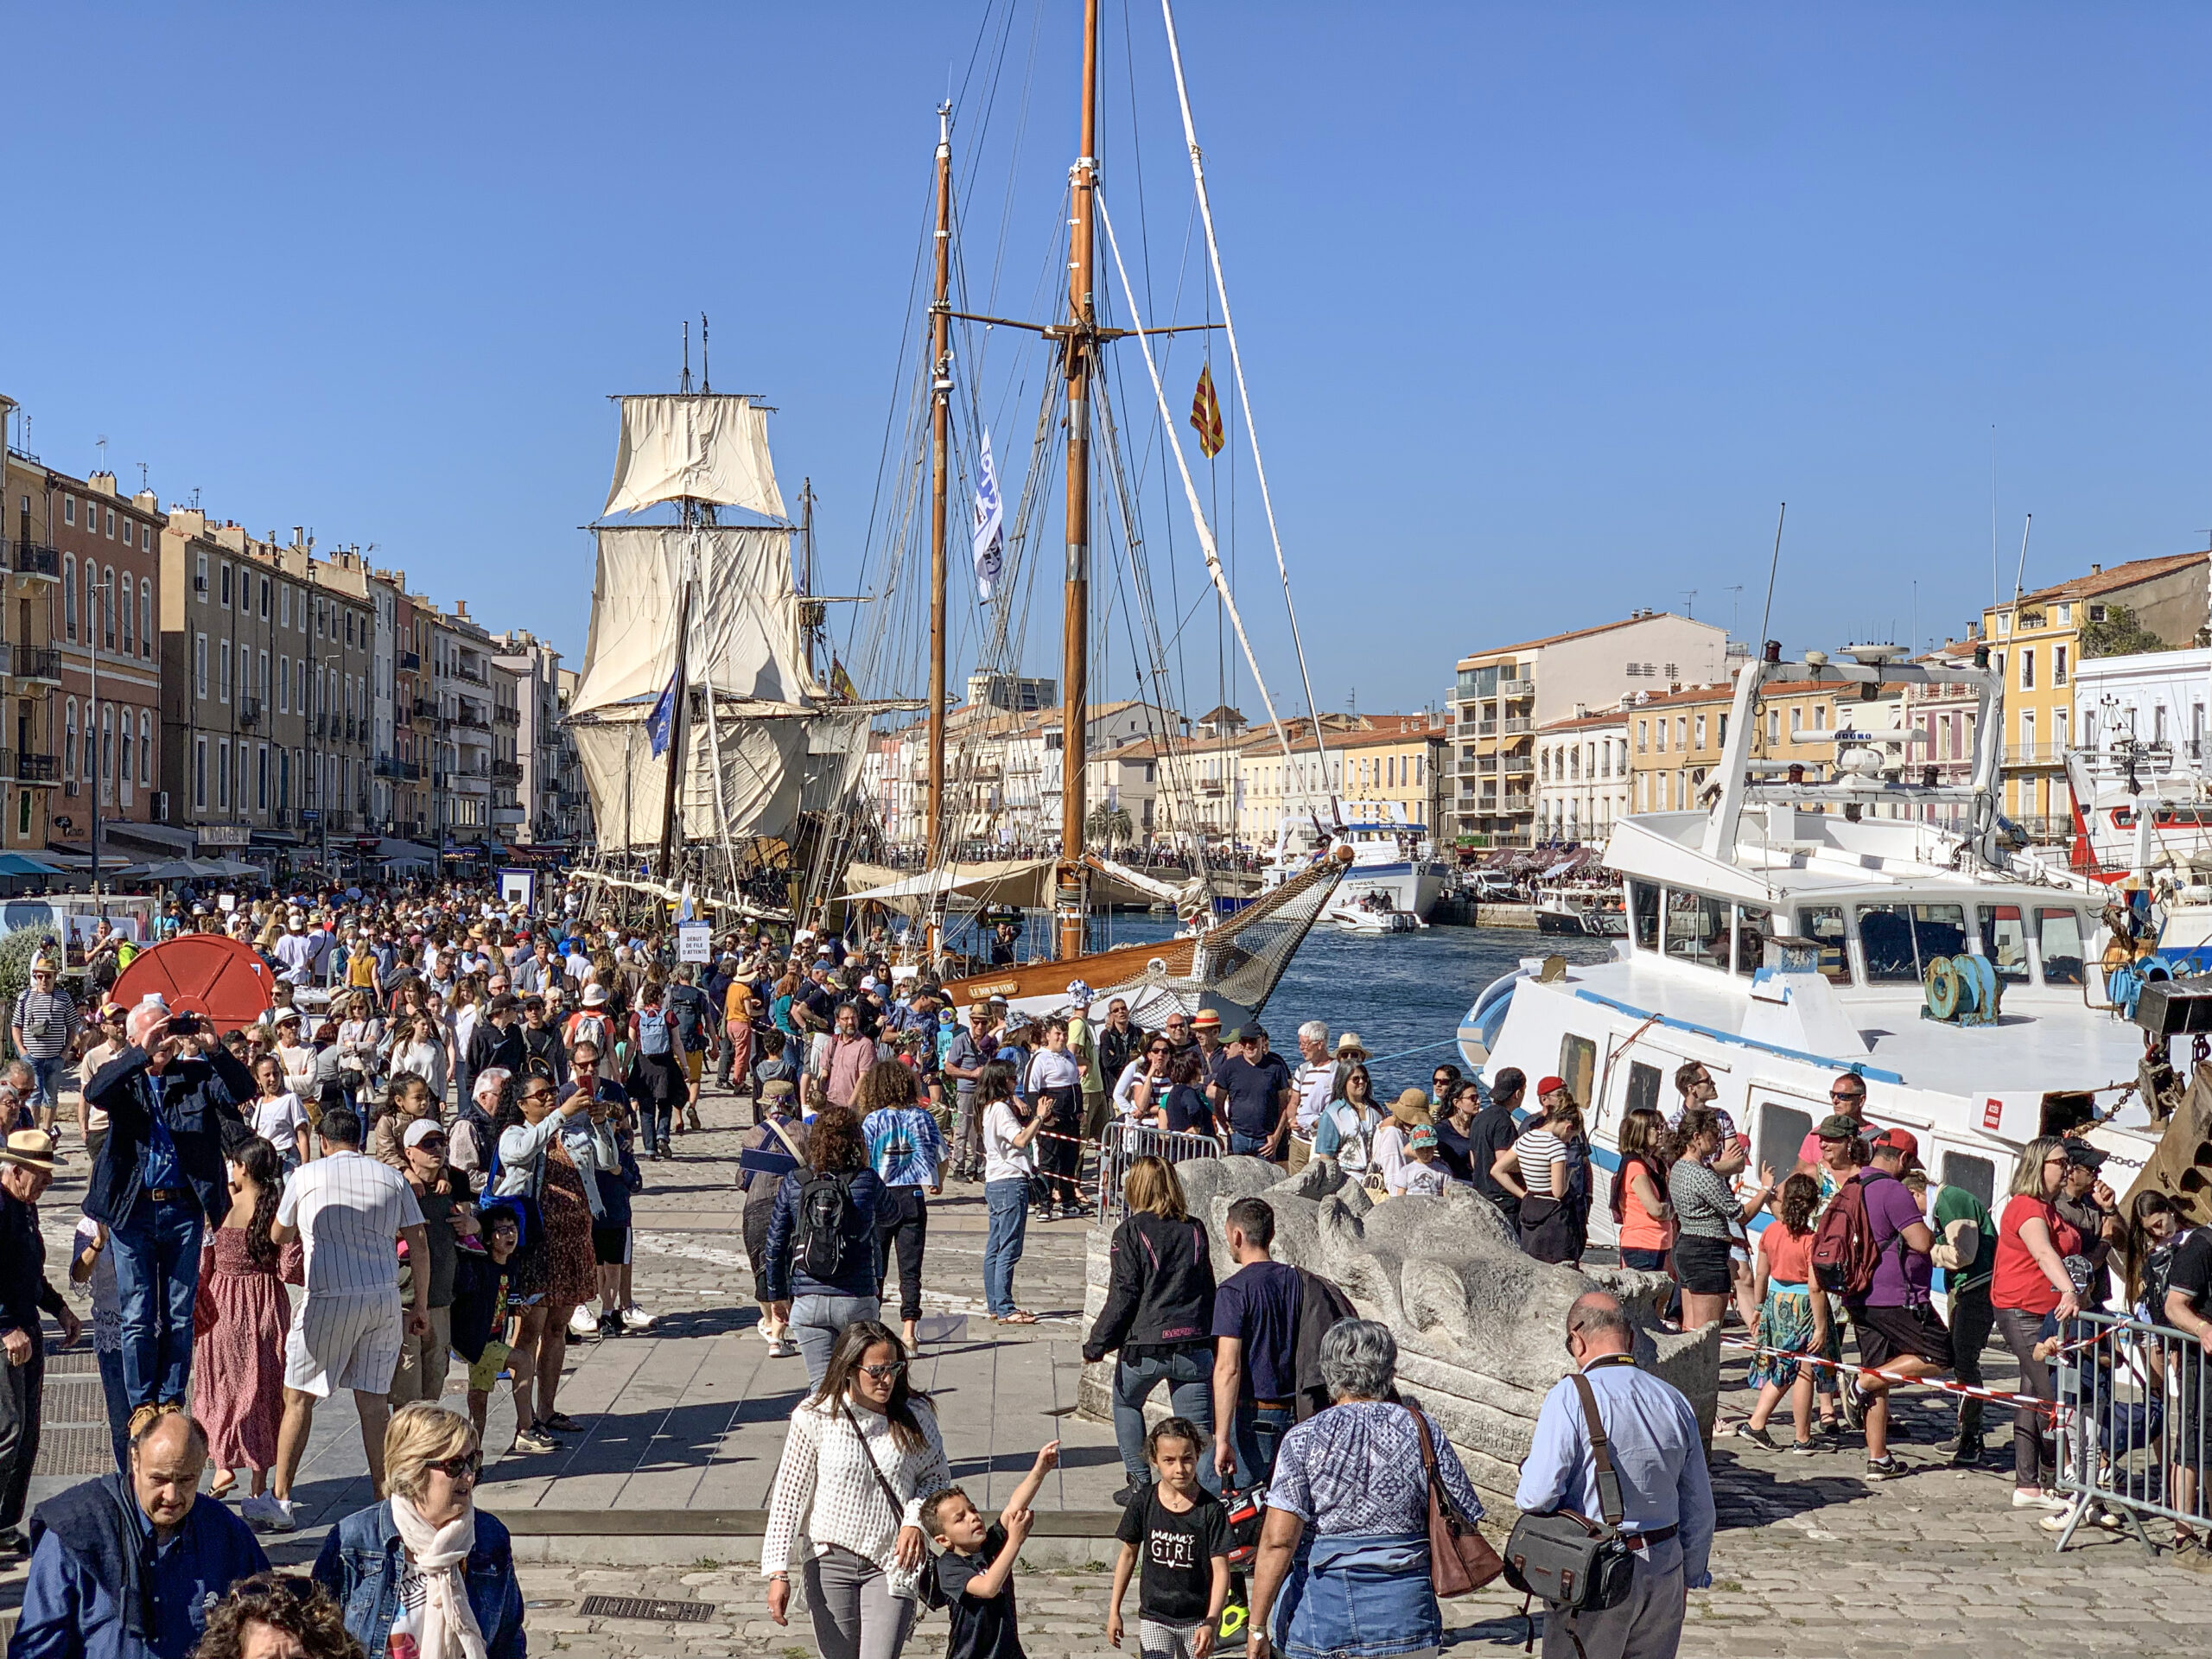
(1110, 824)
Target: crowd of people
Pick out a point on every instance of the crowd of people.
(434, 1135)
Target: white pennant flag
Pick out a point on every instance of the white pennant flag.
(990, 524)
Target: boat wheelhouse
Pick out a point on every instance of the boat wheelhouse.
(1799, 928)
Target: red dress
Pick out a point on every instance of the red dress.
(238, 1349)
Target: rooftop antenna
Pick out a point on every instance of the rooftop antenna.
(1689, 603)
(684, 385)
(1772, 569)
(101, 445)
(1735, 605)
(706, 379)
(195, 498)
(141, 478)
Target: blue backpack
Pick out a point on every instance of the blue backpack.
(654, 1027)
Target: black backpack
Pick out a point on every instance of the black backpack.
(825, 1221)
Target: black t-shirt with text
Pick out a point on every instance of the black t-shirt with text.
(982, 1626)
(1174, 1554)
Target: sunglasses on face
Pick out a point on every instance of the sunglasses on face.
(884, 1373)
(467, 1466)
(537, 1094)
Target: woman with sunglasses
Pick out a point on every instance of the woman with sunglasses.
(862, 1453)
(2033, 1297)
(556, 1271)
(425, 1572)
(1142, 1090)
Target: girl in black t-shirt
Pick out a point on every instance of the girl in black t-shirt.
(1174, 1539)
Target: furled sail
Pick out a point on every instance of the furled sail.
(744, 632)
(745, 778)
(703, 447)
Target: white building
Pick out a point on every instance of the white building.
(2153, 696)
(1582, 776)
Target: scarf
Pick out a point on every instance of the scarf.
(449, 1627)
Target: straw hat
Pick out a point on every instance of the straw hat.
(31, 1148)
(1350, 1043)
(1411, 1107)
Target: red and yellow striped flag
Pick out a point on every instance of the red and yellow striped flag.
(1205, 414)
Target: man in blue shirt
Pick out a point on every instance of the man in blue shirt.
(1666, 1495)
(127, 1567)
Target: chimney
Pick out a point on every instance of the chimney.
(2096, 569)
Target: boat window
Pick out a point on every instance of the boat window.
(2058, 938)
(1697, 929)
(1901, 940)
(1823, 924)
(1971, 1174)
(1643, 900)
(1642, 1087)
(1577, 1061)
(2004, 942)
(1754, 927)
(1781, 1132)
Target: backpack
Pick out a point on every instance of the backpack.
(1845, 1253)
(825, 1220)
(686, 1009)
(654, 1030)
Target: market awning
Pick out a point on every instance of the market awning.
(24, 864)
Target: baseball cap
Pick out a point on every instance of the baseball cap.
(424, 1128)
(1550, 1085)
(1902, 1141)
(1423, 1134)
(1837, 1127)
(2084, 1155)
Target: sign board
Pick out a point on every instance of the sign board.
(225, 835)
(311, 815)
(692, 943)
(227, 900)
(518, 887)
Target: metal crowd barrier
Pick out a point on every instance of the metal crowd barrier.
(2134, 1408)
(1124, 1143)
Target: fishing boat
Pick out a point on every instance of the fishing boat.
(1393, 859)
(1231, 963)
(1798, 930)
(2139, 808)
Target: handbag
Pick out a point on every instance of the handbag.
(927, 1589)
(1461, 1560)
(1573, 1563)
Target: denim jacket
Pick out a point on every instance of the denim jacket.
(360, 1566)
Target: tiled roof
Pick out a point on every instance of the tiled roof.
(1576, 633)
(2133, 572)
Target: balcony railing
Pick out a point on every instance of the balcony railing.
(1485, 728)
(1516, 687)
(1519, 723)
(471, 716)
(2035, 754)
(506, 772)
(506, 717)
(391, 766)
(409, 661)
(31, 662)
(474, 675)
(31, 559)
(1515, 803)
(1519, 765)
(25, 766)
(249, 713)
(422, 708)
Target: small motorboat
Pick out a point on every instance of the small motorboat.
(1373, 912)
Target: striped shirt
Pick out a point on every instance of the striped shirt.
(47, 1020)
(349, 1210)
(1537, 1151)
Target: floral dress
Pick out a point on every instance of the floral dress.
(239, 1324)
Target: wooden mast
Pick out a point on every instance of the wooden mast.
(940, 420)
(1081, 338)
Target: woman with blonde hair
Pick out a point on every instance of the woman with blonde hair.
(424, 1572)
(2030, 1293)
(1159, 1314)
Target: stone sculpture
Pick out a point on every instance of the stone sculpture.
(1480, 1327)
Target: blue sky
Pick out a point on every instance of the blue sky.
(1545, 308)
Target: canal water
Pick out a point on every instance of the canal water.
(1399, 991)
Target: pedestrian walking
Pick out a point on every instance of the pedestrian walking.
(26, 1171)
(822, 1240)
(447, 1208)
(1158, 1314)
(778, 1141)
(1175, 1541)
(862, 1453)
(1010, 1130)
(1254, 1349)
(1343, 1566)
(425, 1574)
(1656, 1455)
(906, 1149)
(1892, 1314)
(91, 1276)
(242, 1319)
(1792, 1318)
(349, 1212)
(278, 1117)
(43, 1029)
(2029, 1292)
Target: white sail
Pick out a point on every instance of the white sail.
(745, 779)
(745, 633)
(706, 446)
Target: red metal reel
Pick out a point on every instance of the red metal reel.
(209, 974)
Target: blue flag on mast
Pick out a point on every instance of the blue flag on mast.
(990, 524)
(659, 724)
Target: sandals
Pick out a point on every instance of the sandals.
(222, 1489)
(1020, 1316)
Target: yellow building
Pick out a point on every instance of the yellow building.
(2036, 643)
(1676, 739)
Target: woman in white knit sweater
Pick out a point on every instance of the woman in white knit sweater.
(862, 1453)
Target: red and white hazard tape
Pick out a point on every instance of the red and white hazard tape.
(1965, 1389)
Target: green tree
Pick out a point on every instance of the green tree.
(2119, 635)
(1109, 824)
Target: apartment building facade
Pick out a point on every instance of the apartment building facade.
(107, 653)
(1502, 694)
(546, 817)
(30, 757)
(1582, 776)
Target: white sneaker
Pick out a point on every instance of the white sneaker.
(270, 1514)
(582, 1323)
(2034, 1497)
(636, 1319)
(782, 1348)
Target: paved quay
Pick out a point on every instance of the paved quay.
(661, 1496)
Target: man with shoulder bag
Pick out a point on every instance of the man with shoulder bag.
(1617, 1507)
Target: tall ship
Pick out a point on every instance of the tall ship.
(1800, 930)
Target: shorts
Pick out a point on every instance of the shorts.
(695, 1062)
(484, 1375)
(1701, 1263)
(610, 1245)
(344, 1342)
(1891, 1333)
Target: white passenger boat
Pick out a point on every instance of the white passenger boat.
(1370, 913)
(1798, 930)
(1595, 912)
(1397, 861)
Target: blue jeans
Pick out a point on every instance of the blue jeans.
(1008, 1204)
(157, 1279)
(815, 1322)
(118, 1407)
(48, 1075)
(1254, 1437)
(1247, 1145)
(1188, 1373)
